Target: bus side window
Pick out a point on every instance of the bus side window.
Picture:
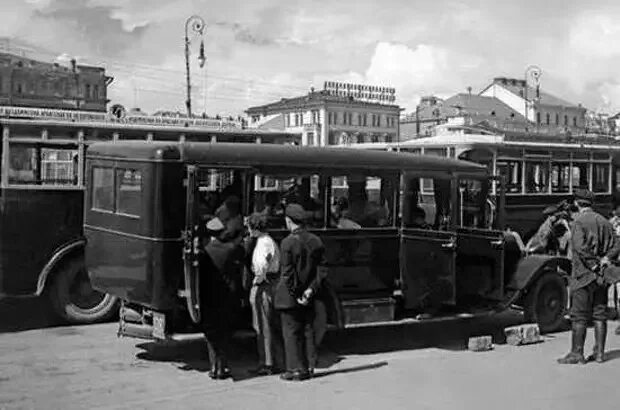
(23, 166)
(361, 201)
(473, 195)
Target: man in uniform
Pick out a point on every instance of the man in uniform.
(593, 244)
(301, 258)
(553, 235)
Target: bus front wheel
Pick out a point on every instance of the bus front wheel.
(546, 302)
(73, 298)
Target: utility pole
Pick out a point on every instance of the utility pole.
(197, 25)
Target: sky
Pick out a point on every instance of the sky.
(260, 51)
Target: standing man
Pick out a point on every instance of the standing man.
(265, 268)
(593, 243)
(302, 255)
(220, 277)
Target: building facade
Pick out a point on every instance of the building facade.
(325, 118)
(26, 82)
(547, 112)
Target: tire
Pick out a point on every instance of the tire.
(74, 300)
(546, 301)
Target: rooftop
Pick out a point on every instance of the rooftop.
(311, 99)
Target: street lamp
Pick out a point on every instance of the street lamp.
(533, 72)
(197, 26)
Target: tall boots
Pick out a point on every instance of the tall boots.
(578, 339)
(600, 334)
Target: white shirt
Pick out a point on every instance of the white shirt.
(265, 258)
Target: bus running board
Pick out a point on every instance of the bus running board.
(368, 310)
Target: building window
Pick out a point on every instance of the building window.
(364, 118)
(87, 91)
(538, 118)
(96, 92)
(574, 121)
(378, 120)
(548, 118)
(557, 119)
(566, 120)
(350, 115)
(20, 88)
(359, 119)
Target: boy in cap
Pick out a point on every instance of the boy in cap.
(265, 266)
(302, 261)
(593, 243)
(220, 274)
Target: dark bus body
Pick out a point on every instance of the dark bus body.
(142, 211)
(539, 170)
(42, 203)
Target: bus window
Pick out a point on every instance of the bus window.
(103, 189)
(220, 193)
(511, 171)
(273, 192)
(600, 179)
(560, 177)
(58, 166)
(128, 191)
(536, 177)
(580, 175)
(42, 166)
(23, 165)
(473, 203)
(424, 209)
(361, 199)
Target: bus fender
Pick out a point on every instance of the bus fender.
(531, 267)
(335, 315)
(58, 257)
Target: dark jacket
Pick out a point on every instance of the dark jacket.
(220, 276)
(302, 266)
(592, 237)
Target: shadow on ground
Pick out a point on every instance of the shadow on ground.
(451, 335)
(18, 314)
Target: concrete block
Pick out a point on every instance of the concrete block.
(480, 343)
(523, 334)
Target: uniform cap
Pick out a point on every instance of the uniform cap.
(215, 225)
(584, 195)
(296, 212)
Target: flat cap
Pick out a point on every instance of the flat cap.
(215, 225)
(584, 195)
(296, 212)
(550, 210)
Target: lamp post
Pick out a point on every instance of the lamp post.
(197, 26)
(534, 72)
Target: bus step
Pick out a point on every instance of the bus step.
(368, 310)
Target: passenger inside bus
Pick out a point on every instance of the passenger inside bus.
(273, 210)
(418, 219)
(341, 216)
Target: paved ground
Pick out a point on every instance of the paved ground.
(410, 367)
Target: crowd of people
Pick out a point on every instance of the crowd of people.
(284, 285)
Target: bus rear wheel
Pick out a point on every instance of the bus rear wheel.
(73, 298)
(546, 302)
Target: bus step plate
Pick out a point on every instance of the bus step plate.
(359, 311)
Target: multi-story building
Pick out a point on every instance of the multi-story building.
(547, 112)
(340, 114)
(506, 104)
(26, 82)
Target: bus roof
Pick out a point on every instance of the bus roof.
(276, 155)
(482, 140)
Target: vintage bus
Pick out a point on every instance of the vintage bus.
(145, 204)
(42, 196)
(539, 170)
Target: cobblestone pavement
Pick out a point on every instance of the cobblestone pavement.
(401, 367)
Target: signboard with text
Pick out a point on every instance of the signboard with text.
(363, 92)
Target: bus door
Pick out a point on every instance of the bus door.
(191, 244)
(479, 247)
(428, 244)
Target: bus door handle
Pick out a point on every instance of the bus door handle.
(449, 245)
(498, 244)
